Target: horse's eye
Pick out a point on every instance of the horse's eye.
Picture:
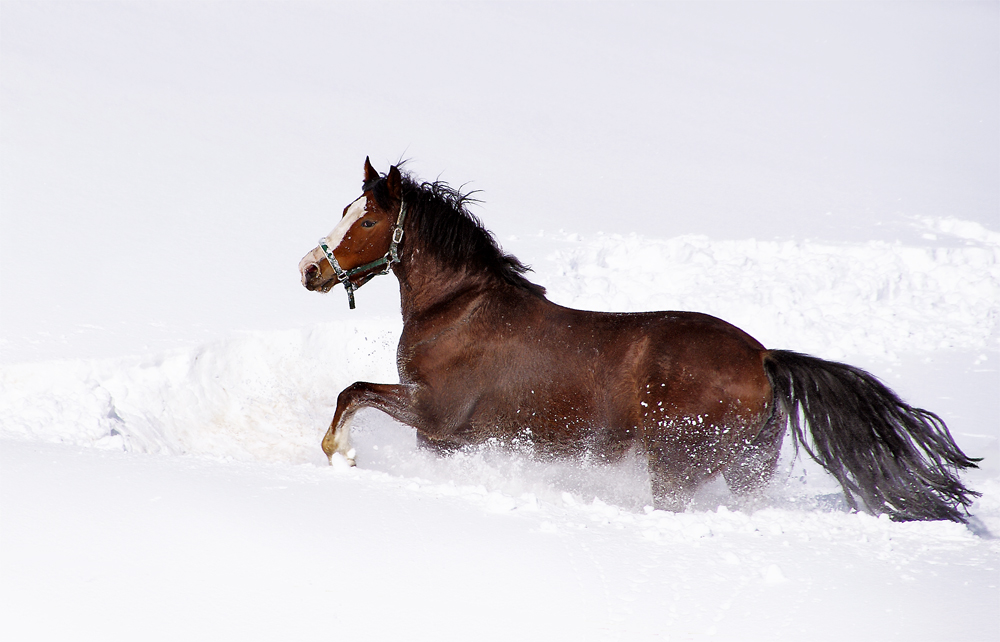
(367, 223)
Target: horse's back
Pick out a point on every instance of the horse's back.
(667, 344)
(694, 357)
(680, 363)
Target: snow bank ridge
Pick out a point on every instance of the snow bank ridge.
(873, 299)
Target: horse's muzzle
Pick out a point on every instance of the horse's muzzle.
(314, 280)
(311, 276)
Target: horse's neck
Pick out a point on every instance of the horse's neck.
(425, 284)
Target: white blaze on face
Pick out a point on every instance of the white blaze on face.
(317, 257)
(355, 211)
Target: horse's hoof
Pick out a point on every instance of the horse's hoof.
(339, 459)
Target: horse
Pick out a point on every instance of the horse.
(484, 355)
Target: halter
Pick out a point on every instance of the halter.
(387, 260)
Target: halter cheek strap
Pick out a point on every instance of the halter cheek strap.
(385, 262)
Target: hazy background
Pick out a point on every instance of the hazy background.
(164, 165)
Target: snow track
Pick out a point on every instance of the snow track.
(874, 299)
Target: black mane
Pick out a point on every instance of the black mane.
(453, 235)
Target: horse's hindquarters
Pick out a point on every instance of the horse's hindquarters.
(705, 402)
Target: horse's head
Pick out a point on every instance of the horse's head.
(363, 244)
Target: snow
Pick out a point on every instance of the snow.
(195, 548)
(825, 176)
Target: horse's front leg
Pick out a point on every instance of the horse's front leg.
(393, 399)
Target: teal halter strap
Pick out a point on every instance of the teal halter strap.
(385, 262)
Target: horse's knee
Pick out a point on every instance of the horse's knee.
(352, 394)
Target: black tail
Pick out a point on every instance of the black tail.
(898, 459)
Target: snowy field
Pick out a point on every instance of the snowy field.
(825, 176)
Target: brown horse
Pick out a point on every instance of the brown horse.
(484, 355)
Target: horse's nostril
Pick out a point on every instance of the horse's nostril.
(312, 271)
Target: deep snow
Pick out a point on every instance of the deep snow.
(825, 176)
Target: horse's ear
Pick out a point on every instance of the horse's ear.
(370, 174)
(394, 181)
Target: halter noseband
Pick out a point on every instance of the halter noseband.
(387, 260)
